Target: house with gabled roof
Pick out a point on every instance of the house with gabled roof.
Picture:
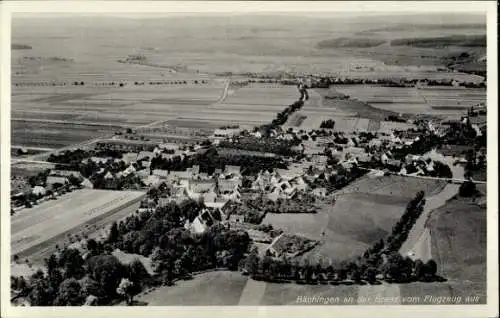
(129, 157)
(146, 154)
(179, 175)
(52, 180)
(232, 170)
(227, 186)
(161, 173)
(201, 186)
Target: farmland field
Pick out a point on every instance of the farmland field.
(37, 230)
(54, 135)
(415, 100)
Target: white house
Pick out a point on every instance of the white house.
(129, 157)
(38, 190)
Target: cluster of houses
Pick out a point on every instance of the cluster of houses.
(56, 183)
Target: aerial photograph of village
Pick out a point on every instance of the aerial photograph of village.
(248, 159)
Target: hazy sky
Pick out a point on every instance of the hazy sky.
(138, 9)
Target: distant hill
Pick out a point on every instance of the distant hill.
(469, 61)
(345, 42)
(443, 41)
(434, 26)
(15, 46)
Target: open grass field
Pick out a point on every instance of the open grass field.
(458, 245)
(36, 230)
(394, 185)
(219, 288)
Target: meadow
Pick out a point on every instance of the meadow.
(218, 288)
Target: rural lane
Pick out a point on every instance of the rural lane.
(418, 241)
(224, 94)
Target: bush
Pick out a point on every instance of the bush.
(327, 124)
(467, 189)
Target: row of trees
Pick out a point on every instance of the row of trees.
(281, 118)
(394, 268)
(327, 124)
(325, 82)
(112, 83)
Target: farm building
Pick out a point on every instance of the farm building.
(232, 170)
(127, 145)
(145, 155)
(161, 173)
(151, 180)
(129, 170)
(179, 175)
(39, 191)
(53, 180)
(99, 160)
(66, 173)
(168, 156)
(129, 157)
(227, 186)
(201, 223)
(201, 186)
